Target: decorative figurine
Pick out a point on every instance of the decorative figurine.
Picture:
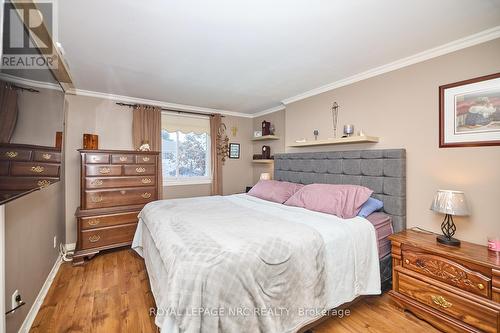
(335, 118)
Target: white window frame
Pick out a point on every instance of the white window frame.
(195, 180)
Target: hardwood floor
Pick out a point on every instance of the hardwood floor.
(111, 293)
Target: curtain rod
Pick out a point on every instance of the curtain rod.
(26, 89)
(163, 109)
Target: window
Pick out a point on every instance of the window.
(185, 149)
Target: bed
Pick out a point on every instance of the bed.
(239, 263)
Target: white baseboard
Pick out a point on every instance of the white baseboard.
(70, 246)
(28, 321)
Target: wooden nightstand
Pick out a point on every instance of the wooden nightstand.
(456, 289)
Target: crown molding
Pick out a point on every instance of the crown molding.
(30, 83)
(166, 105)
(268, 111)
(478, 38)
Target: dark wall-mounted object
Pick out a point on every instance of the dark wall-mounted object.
(90, 141)
(266, 128)
(266, 152)
(234, 150)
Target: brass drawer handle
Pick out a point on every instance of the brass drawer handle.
(140, 170)
(441, 301)
(96, 182)
(123, 192)
(94, 238)
(96, 198)
(145, 159)
(146, 180)
(11, 154)
(46, 156)
(43, 183)
(146, 195)
(104, 170)
(123, 158)
(407, 261)
(37, 169)
(93, 222)
(480, 286)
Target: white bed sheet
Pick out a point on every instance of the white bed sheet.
(351, 253)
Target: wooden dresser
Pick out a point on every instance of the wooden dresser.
(115, 186)
(27, 167)
(457, 289)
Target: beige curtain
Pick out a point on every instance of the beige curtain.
(8, 111)
(215, 123)
(146, 126)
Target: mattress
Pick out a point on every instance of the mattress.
(383, 228)
(350, 258)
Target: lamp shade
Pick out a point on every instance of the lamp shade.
(265, 176)
(450, 202)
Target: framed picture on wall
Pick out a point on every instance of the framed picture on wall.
(469, 112)
(234, 150)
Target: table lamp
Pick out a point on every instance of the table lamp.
(265, 176)
(450, 203)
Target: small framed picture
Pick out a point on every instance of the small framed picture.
(469, 112)
(234, 150)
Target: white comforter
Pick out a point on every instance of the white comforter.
(241, 264)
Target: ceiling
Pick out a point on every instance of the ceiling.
(248, 56)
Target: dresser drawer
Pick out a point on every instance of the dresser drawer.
(122, 158)
(447, 271)
(107, 236)
(10, 154)
(103, 170)
(97, 158)
(126, 196)
(25, 183)
(34, 169)
(108, 220)
(463, 309)
(132, 181)
(47, 156)
(131, 170)
(145, 159)
(4, 168)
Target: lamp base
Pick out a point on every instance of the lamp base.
(448, 241)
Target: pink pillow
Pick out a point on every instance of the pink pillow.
(273, 190)
(345, 201)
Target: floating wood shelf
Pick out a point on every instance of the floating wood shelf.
(339, 141)
(263, 161)
(265, 137)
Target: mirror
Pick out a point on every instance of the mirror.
(31, 123)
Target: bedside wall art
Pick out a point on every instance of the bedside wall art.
(469, 112)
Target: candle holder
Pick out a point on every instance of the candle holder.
(348, 130)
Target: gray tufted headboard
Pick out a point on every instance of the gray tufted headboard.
(383, 171)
